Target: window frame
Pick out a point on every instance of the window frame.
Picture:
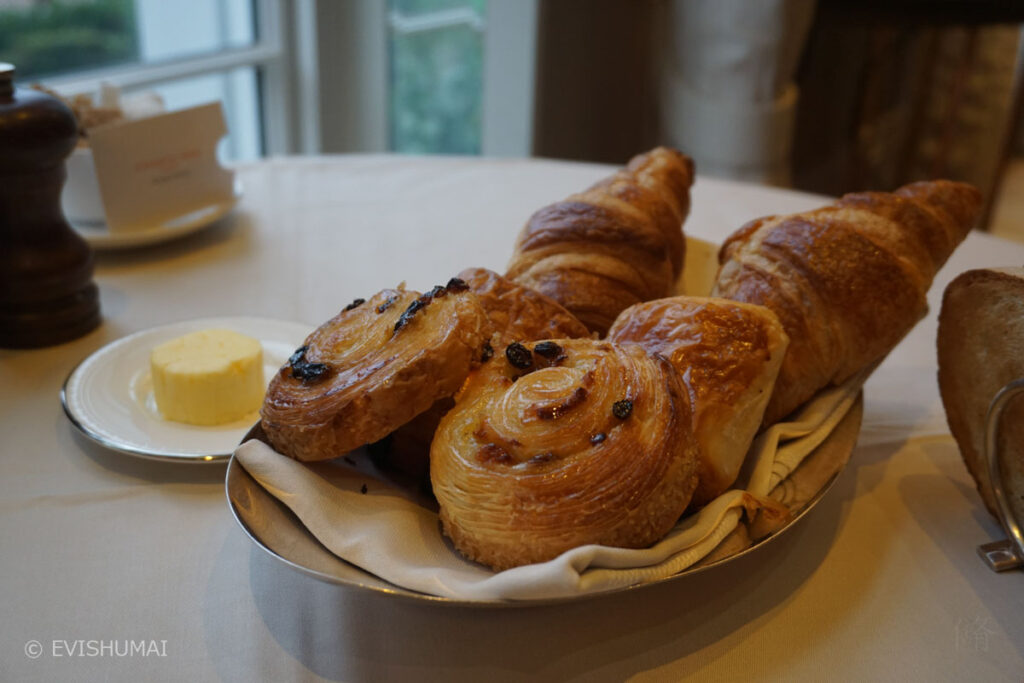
(343, 47)
(510, 64)
(270, 55)
(322, 69)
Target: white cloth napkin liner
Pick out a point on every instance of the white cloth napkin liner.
(386, 532)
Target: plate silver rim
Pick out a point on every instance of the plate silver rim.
(126, 449)
(129, 450)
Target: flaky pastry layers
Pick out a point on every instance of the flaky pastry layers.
(847, 281)
(728, 354)
(373, 367)
(618, 243)
(516, 313)
(556, 444)
(519, 313)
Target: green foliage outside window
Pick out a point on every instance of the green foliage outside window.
(437, 80)
(52, 37)
(436, 75)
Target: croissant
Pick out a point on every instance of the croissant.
(847, 281)
(728, 354)
(562, 443)
(373, 367)
(616, 244)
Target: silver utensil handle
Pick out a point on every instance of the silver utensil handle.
(1015, 544)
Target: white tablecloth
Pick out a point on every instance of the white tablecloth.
(881, 582)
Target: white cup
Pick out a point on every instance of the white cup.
(81, 198)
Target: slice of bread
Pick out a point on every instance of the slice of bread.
(981, 349)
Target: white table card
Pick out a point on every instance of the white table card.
(157, 168)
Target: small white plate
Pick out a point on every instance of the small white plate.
(109, 396)
(101, 237)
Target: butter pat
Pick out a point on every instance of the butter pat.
(208, 377)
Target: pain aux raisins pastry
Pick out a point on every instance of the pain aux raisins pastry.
(373, 367)
(517, 313)
(561, 443)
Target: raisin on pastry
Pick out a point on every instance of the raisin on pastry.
(373, 367)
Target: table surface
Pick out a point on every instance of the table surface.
(881, 582)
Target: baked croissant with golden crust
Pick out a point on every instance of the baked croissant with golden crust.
(847, 281)
(728, 354)
(616, 244)
(561, 443)
(372, 368)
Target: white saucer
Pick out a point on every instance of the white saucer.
(109, 396)
(101, 237)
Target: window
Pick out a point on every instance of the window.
(188, 51)
(44, 39)
(461, 76)
(416, 76)
(436, 75)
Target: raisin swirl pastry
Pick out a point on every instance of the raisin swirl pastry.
(373, 367)
(729, 354)
(563, 443)
(516, 313)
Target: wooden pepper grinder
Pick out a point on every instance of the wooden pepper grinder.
(47, 295)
